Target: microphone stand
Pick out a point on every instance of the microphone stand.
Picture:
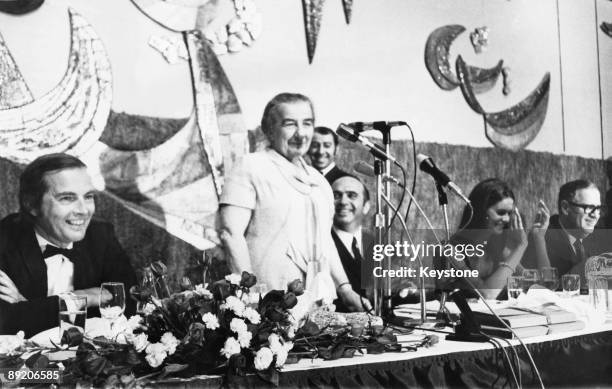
(443, 313)
(380, 225)
(386, 132)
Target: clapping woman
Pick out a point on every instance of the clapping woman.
(496, 226)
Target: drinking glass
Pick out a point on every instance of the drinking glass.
(570, 284)
(112, 300)
(530, 277)
(515, 287)
(72, 312)
(550, 278)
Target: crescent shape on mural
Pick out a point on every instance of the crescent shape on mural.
(515, 127)
(19, 7)
(437, 52)
(606, 28)
(70, 117)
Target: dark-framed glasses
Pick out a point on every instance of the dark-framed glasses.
(589, 208)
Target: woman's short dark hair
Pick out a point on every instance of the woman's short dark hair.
(267, 120)
(484, 195)
(32, 184)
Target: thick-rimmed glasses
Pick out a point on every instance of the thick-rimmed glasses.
(589, 209)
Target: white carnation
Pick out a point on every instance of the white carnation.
(156, 353)
(140, 341)
(275, 344)
(233, 303)
(281, 357)
(238, 326)
(203, 291)
(134, 322)
(170, 341)
(244, 338)
(252, 315)
(210, 321)
(263, 358)
(230, 347)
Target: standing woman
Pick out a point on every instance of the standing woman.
(497, 227)
(276, 212)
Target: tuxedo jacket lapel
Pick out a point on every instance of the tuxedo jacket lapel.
(31, 256)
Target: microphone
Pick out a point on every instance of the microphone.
(378, 125)
(349, 134)
(427, 165)
(366, 169)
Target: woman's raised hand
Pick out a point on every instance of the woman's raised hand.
(541, 221)
(516, 235)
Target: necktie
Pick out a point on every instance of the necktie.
(580, 254)
(51, 250)
(355, 248)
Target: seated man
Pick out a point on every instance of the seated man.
(570, 238)
(322, 153)
(52, 246)
(351, 200)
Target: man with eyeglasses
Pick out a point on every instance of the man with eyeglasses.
(570, 240)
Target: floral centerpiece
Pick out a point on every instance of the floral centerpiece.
(221, 329)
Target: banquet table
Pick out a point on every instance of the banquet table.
(572, 359)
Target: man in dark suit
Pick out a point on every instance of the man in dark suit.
(354, 244)
(52, 246)
(322, 153)
(571, 237)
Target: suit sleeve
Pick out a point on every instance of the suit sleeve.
(117, 268)
(31, 316)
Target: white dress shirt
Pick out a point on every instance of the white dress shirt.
(60, 270)
(347, 239)
(328, 168)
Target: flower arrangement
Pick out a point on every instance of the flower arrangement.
(216, 329)
(221, 329)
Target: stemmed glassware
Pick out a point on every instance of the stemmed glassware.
(112, 301)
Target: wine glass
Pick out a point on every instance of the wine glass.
(530, 277)
(515, 287)
(112, 301)
(550, 278)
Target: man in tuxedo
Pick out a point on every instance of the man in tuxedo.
(354, 244)
(571, 237)
(52, 246)
(322, 153)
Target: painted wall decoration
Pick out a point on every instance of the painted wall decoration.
(228, 25)
(437, 49)
(70, 117)
(606, 28)
(313, 14)
(347, 6)
(19, 7)
(515, 127)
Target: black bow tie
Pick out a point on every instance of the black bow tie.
(51, 250)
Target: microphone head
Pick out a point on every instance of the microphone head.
(364, 168)
(421, 157)
(346, 132)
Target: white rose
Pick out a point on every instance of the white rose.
(230, 347)
(263, 358)
(148, 308)
(202, 291)
(233, 278)
(170, 342)
(238, 325)
(140, 341)
(210, 321)
(252, 315)
(244, 338)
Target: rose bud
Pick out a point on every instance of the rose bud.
(289, 300)
(248, 279)
(140, 293)
(72, 337)
(274, 315)
(296, 286)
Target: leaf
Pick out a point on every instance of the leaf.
(349, 352)
(37, 361)
(376, 348)
(387, 339)
(309, 328)
(171, 369)
(13, 362)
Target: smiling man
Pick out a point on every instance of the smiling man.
(354, 245)
(322, 154)
(570, 238)
(52, 246)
